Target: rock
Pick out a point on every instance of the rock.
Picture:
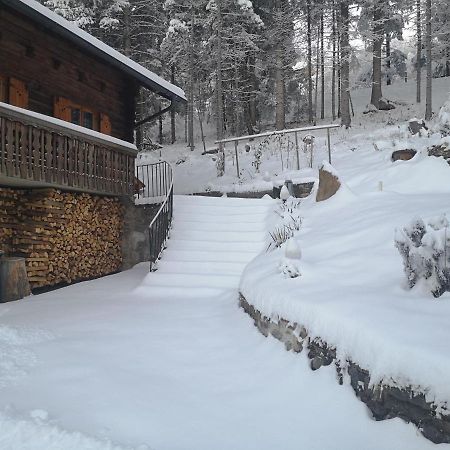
(403, 155)
(442, 149)
(385, 105)
(284, 193)
(329, 183)
(415, 125)
(316, 363)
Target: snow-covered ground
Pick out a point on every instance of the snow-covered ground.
(167, 360)
(195, 172)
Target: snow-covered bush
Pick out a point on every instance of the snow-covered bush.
(289, 212)
(443, 125)
(289, 222)
(425, 250)
(289, 264)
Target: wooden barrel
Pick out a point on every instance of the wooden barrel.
(14, 283)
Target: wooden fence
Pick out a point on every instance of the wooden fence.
(44, 152)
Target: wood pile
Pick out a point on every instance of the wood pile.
(8, 218)
(67, 237)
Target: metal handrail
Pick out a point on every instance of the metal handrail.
(162, 178)
(268, 134)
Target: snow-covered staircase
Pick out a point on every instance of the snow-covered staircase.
(211, 242)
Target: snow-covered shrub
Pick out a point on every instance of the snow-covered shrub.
(289, 264)
(443, 125)
(425, 250)
(289, 222)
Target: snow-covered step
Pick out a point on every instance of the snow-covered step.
(203, 267)
(227, 212)
(206, 218)
(187, 281)
(205, 256)
(185, 244)
(221, 226)
(211, 242)
(216, 236)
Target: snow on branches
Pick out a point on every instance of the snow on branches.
(425, 250)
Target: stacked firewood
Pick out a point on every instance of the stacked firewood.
(8, 218)
(67, 237)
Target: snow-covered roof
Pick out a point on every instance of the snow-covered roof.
(70, 31)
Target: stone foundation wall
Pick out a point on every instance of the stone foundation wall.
(135, 241)
(384, 401)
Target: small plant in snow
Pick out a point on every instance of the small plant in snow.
(257, 155)
(289, 264)
(280, 235)
(425, 250)
(289, 213)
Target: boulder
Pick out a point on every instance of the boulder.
(385, 105)
(416, 125)
(403, 155)
(442, 149)
(329, 183)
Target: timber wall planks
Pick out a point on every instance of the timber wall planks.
(52, 67)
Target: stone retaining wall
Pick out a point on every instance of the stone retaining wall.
(384, 401)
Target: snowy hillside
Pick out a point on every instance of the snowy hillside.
(195, 172)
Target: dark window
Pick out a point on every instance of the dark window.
(76, 116)
(88, 120)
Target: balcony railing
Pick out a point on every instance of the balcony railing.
(41, 151)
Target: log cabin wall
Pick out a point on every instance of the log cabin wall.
(52, 67)
(64, 236)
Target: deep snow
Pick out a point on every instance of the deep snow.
(173, 363)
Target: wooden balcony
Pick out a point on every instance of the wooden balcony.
(40, 151)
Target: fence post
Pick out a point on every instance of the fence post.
(329, 145)
(296, 149)
(237, 157)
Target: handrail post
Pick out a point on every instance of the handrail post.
(329, 145)
(237, 157)
(296, 149)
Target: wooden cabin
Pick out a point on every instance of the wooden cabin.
(67, 120)
(52, 68)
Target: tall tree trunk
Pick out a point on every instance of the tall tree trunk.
(280, 117)
(139, 115)
(309, 57)
(253, 90)
(219, 91)
(345, 65)
(429, 106)
(388, 60)
(191, 144)
(316, 92)
(160, 125)
(419, 52)
(376, 61)
(172, 110)
(322, 69)
(126, 38)
(333, 69)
